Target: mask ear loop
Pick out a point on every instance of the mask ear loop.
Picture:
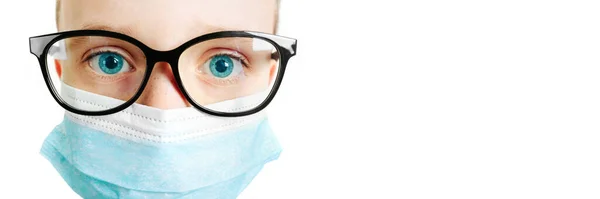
(58, 52)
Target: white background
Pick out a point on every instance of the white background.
(385, 99)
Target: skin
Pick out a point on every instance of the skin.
(165, 25)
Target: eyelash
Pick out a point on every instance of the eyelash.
(94, 54)
(235, 55)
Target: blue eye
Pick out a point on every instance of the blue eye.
(109, 63)
(221, 66)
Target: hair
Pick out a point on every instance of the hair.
(277, 17)
(57, 11)
(278, 2)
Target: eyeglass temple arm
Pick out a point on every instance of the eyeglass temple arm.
(37, 45)
(288, 44)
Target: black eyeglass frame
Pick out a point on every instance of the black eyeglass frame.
(40, 47)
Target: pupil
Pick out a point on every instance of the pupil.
(222, 66)
(111, 62)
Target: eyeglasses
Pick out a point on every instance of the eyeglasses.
(240, 68)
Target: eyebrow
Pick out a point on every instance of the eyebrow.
(127, 30)
(201, 29)
(130, 31)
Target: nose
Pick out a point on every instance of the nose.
(162, 91)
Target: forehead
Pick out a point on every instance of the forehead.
(152, 21)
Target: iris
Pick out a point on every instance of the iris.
(110, 63)
(221, 66)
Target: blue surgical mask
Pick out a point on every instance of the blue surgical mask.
(144, 152)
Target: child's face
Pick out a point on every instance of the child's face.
(164, 25)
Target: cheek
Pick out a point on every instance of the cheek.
(129, 86)
(67, 73)
(258, 82)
